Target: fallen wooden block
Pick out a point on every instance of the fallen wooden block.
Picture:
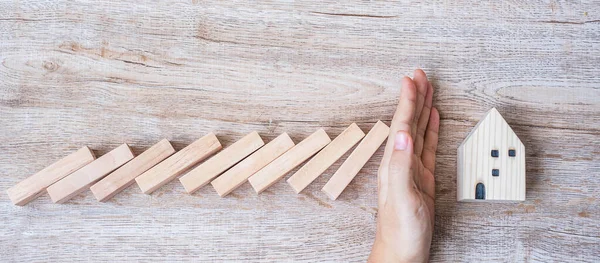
(81, 179)
(239, 173)
(277, 169)
(357, 159)
(326, 157)
(33, 186)
(213, 167)
(178, 163)
(123, 177)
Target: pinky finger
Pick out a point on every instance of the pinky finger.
(431, 141)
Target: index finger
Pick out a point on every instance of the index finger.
(405, 112)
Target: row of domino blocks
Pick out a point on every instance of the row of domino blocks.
(248, 159)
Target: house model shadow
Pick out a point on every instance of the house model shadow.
(491, 162)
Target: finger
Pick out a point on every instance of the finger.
(431, 141)
(420, 80)
(428, 183)
(423, 120)
(400, 174)
(400, 122)
(405, 112)
(402, 119)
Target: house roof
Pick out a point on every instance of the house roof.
(486, 118)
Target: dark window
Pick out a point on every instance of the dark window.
(480, 191)
(495, 153)
(512, 153)
(495, 172)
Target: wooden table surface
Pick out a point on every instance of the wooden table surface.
(100, 73)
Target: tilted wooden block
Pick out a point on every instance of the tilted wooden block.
(325, 158)
(35, 185)
(277, 169)
(81, 179)
(491, 162)
(178, 163)
(213, 167)
(123, 177)
(357, 159)
(239, 173)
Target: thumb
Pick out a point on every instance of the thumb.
(399, 174)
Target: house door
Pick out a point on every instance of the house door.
(480, 191)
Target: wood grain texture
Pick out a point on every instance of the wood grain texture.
(239, 173)
(97, 73)
(475, 161)
(167, 170)
(213, 167)
(277, 169)
(125, 176)
(35, 185)
(80, 180)
(325, 158)
(357, 159)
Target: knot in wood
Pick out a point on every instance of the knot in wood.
(50, 66)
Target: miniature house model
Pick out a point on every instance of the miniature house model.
(491, 162)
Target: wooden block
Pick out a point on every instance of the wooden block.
(491, 162)
(123, 177)
(178, 163)
(81, 179)
(35, 185)
(213, 167)
(357, 159)
(239, 173)
(277, 169)
(326, 157)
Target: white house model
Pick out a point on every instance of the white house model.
(491, 162)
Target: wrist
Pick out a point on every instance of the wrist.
(383, 252)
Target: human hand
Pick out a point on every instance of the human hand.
(406, 181)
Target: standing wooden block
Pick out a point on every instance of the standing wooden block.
(357, 159)
(491, 162)
(204, 173)
(238, 174)
(178, 163)
(123, 177)
(277, 169)
(326, 157)
(81, 179)
(33, 186)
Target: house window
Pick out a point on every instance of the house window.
(512, 153)
(495, 172)
(480, 191)
(495, 153)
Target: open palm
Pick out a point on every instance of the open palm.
(406, 177)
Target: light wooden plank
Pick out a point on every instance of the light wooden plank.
(125, 176)
(325, 158)
(35, 185)
(80, 180)
(240, 173)
(213, 167)
(178, 163)
(277, 169)
(357, 159)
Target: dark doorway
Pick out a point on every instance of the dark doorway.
(480, 191)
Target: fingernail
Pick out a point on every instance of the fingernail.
(401, 141)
